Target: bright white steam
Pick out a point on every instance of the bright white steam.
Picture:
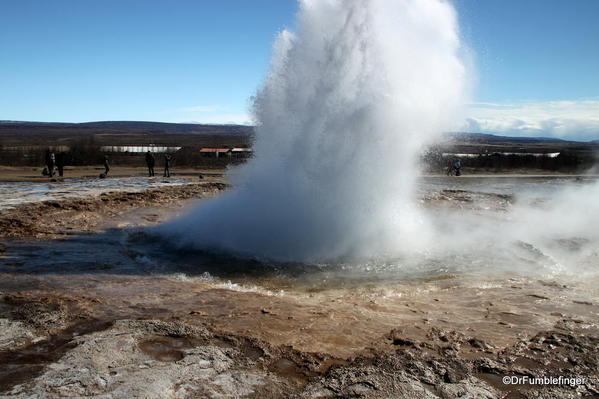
(350, 99)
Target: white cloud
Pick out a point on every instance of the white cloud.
(578, 120)
(573, 119)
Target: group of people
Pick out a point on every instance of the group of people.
(150, 161)
(454, 168)
(55, 164)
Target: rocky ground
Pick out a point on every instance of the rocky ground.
(106, 335)
(50, 219)
(149, 358)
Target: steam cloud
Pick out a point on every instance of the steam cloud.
(350, 99)
(548, 230)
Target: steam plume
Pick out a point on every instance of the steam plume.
(351, 98)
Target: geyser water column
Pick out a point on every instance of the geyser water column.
(351, 98)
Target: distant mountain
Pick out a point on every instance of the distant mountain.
(142, 132)
(492, 138)
(127, 127)
(17, 133)
(482, 143)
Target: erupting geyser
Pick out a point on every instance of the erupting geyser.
(351, 98)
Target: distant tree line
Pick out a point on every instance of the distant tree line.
(86, 152)
(81, 152)
(566, 161)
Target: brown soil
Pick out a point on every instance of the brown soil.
(423, 361)
(156, 336)
(34, 174)
(59, 218)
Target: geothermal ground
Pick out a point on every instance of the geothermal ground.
(93, 306)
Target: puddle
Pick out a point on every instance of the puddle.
(166, 349)
(20, 365)
(288, 369)
(13, 194)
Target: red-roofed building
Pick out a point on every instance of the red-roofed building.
(216, 152)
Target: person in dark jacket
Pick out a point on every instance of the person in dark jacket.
(106, 165)
(450, 168)
(150, 162)
(60, 161)
(167, 165)
(50, 162)
(458, 167)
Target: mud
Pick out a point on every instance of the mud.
(116, 325)
(160, 359)
(194, 339)
(49, 219)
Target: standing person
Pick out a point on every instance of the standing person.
(150, 162)
(60, 157)
(46, 171)
(106, 166)
(50, 162)
(450, 168)
(458, 167)
(167, 165)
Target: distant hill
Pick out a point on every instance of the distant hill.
(192, 134)
(492, 138)
(480, 143)
(127, 126)
(123, 133)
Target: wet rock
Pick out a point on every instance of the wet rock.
(537, 296)
(573, 360)
(171, 329)
(479, 344)
(538, 339)
(110, 363)
(399, 337)
(489, 366)
(318, 392)
(574, 244)
(43, 316)
(470, 388)
(360, 388)
(455, 374)
(52, 218)
(402, 342)
(14, 334)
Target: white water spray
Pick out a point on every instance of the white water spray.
(350, 100)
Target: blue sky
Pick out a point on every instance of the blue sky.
(537, 61)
